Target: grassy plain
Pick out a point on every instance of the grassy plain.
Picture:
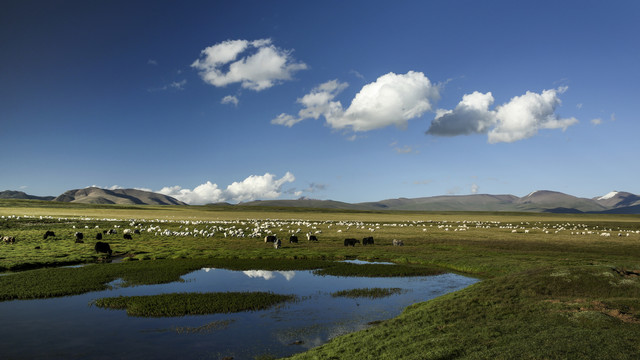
(553, 286)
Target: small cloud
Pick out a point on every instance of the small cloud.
(356, 74)
(613, 117)
(256, 65)
(313, 187)
(22, 187)
(178, 85)
(115, 187)
(579, 106)
(152, 62)
(423, 182)
(596, 121)
(474, 188)
(230, 99)
(454, 191)
(404, 150)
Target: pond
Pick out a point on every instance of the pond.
(70, 328)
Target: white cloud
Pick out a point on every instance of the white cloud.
(579, 106)
(524, 115)
(152, 62)
(474, 188)
(258, 187)
(405, 150)
(230, 99)
(286, 120)
(518, 119)
(253, 187)
(256, 65)
(393, 99)
(471, 115)
(202, 194)
(178, 85)
(596, 121)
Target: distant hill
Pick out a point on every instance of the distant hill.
(537, 201)
(12, 194)
(618, 199)
(615, 202)
(94, 195)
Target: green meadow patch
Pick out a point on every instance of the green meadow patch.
(371, 293)
(181, 304)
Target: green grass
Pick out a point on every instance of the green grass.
(542, 296)
(372, 293)
(181, 304)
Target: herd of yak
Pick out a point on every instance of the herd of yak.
(103, 247)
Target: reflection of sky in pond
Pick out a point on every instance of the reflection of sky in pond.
(67, 328)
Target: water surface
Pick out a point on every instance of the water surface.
(69, 328)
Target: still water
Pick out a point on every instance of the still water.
(69, 328)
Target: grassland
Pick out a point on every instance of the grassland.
(181, 304)
(553, 286)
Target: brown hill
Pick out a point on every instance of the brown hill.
(94, 195)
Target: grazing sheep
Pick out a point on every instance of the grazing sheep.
(9, 239)
(277, 244)
(398, 242)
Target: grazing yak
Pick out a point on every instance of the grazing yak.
(293, 239)
(367, 241)
(136, 231)
(103, 247)
(313, 238)
(270, 238)
(127, 237)
(47, 234)
(9, 239)
(351, 242)
(112, 232)
(99, 236)
(277, 244)
(79, 237)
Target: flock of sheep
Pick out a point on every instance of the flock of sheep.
(272, 231)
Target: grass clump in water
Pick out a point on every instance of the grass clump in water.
(181, 304)
(377, 270)
(372, 293)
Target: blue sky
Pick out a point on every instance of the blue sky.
(351, 101)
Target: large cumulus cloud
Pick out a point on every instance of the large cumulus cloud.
(518, 119)
(393, 99)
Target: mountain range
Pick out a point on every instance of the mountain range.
(538, 201)
(616, 202)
